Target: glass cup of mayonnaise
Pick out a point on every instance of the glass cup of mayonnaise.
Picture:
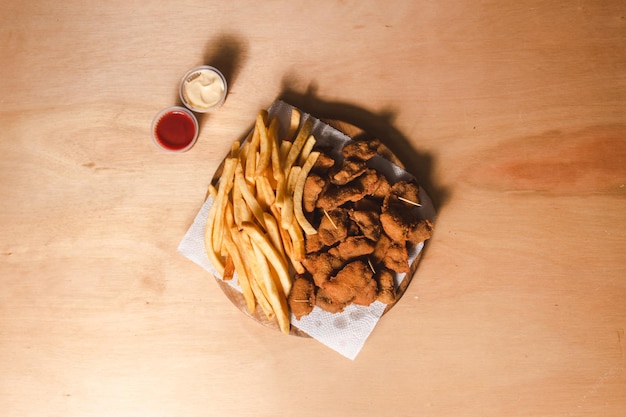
(203, 89)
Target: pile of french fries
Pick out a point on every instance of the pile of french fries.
(256, 224)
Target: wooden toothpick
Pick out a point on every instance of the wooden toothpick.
(329, 219)
(409, 201)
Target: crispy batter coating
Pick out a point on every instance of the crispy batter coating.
(368, 204)
(334, 226)
(302, 297)
(421, 231)
(313, 243)
(323, 164)
(374, 183)
(350, 170)
(397, 221)
(386, 286)
(391, 254)
(353, 247)
(361, 149)
(397, 258)
(368, 222)
(313, 187)
(408, 190)
(382, 246)
(337, 195)
(321, 266)
(326, 303)
(354, 283)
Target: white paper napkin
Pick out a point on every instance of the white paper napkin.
(344, 332)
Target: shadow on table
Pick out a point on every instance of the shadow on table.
(375, 125)
(227, 53)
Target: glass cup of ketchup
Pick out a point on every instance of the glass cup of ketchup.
(175, 129)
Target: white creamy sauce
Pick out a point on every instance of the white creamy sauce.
(203, 89)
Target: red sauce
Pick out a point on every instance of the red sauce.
(175, 130)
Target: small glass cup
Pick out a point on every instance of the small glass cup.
(175, 129)
(203, 89)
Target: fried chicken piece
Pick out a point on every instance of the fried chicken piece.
(421, 231)
(382, 246)
(353, 247)
(374, 184)
(382, 188)
(367, 203)
(313, 243)
(302, 296)
(408, 190)
(323, 301)
(321, 266)
(361, 149)
(354, 283)
(397, 221)
(392, 255)
(350, 170)
(323, 164)
(313, 187)
(368, 223)
(386, 286)
(334, 226)
(337, 195)
(367, 294)
(368, 183)
(397, 258)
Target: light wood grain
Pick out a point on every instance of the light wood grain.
(512, 114)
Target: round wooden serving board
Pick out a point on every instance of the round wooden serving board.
(236, 297)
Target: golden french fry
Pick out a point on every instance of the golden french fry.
(272, 134)
(222, 194)
(228, 220)
(234, 149)
(281, 190)
(265, 189)
(277, 261)
(281, 308)
(299, 191)
(298, 143)
(264, 116)
(274, 233)
(253, 272)
(250, 200)
(265, 193)
(242, 275)
(241, 211)
(229, 267)
(287, 209)
(285, 147)
(294, 123)
(262, 299)
(284, 234)
(263, 271)
(287, 241)
(215, 226)
(243, 152)
(297, 240)
(265, 146)
(306, 150)
(271, 288)
(211, 191)
(216, 260)
(250, 156)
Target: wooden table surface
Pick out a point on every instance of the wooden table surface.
(513, 117)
